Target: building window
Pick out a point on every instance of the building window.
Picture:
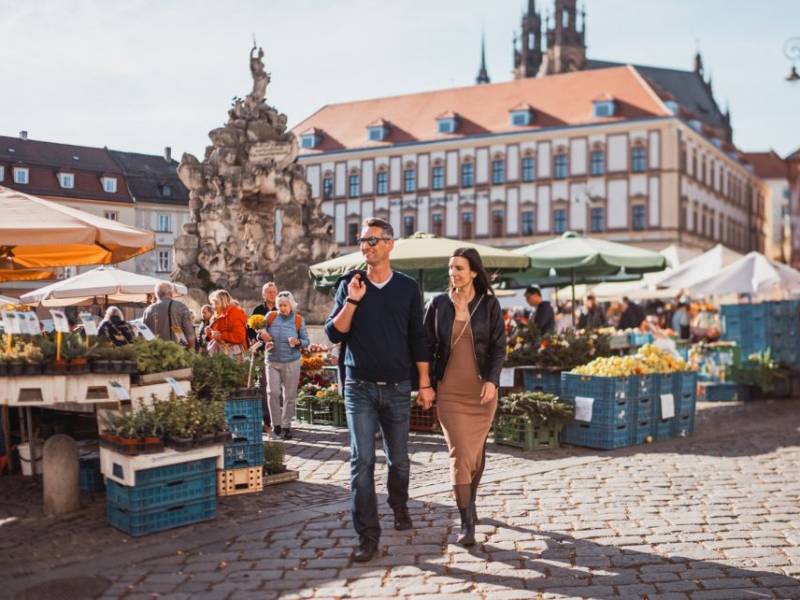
(327, 187)
(111, 215)
(2, 172)
(598, 219)
(498, 219)
(682, 217)
(409, 180)
(352, 234)
(163, 261)
(604, 108)
(109, 185)
(377, 133)
(437, 177)
(382, 183)
(447, 125)
(166, 191)
(528, 217)
(498, 171)
(466, 225)
(561, 170)
(639, 218)
(520, 118)
(309, 140)
(559, 220)
(598, 162)
(66, 180)
(165, 223)
(408, 226)
(528, 168)
(467, 175)
(354, 186)
(20, 175)
(639, 159)
(437, 224)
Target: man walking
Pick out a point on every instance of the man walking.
(377, 316)
(170, 319)
(269, 293)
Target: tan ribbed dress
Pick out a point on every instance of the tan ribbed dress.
(465, 421)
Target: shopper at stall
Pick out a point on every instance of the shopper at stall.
(227, 332)
(466, 339)
(544, 318)
(114, 328)
(632, 314)
(170, 319)
(269, 293)
(287, 336)
(592, 316)
(680, 320)
(206, 314)
(564, 318)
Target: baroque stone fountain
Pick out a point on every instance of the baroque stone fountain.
(252, 217)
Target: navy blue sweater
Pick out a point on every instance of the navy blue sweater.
(387, 336)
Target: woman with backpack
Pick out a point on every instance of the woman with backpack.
(287, 335)
(114, 328)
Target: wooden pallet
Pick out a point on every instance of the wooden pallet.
(232, 482)
(284, 477)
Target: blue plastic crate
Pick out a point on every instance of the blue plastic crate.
(250, 409)
(678, 384)
(726, 392)
(642, 429)
(142, 498)
(640, 338)
(244, 454)
(683, 425)
(244, 430)
(137, 523)
(603, 437)
(613, 397)
(89, 475)
(172, 472)
(662, 428)
(541, 380)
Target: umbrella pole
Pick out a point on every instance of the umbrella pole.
(572, 276)
(422, 283)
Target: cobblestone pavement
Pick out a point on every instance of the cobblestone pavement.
(714, 516)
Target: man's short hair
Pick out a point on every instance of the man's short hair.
(269, 284)
(385, 226)
(163, 289)
(590, 297)
(532, 289)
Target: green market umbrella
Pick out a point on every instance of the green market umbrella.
(422, 256)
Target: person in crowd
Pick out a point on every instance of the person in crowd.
(287, 336)
(228, 330)
(564, 318)
(170, 319)
(544, 318)
(592, 316)
(466, 339)
(269, 293)
(614, 314)
(377, 317)
(206, 314)
(632, 314)
(680, 320)
(115, 328)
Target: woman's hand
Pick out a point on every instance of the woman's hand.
(426, 397)
(264, 336)
(215, 335)
(488, 393)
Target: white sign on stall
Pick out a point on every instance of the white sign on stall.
(89, 326)
(507, 377)
(142, 329)
(119, 390)
(583, 409)
(60, 321)
(11, 323)
(32, 323)
(176, 386)
(667, 406)
(48, 325)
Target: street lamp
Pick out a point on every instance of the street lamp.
(791, 49)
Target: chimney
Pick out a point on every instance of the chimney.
(167, 154)
(23, 135)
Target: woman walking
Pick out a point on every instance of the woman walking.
(227, 331)
(467, 341)
(286, 335)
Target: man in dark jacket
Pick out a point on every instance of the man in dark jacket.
(377, 316)
(592, 316)
(632, 314)
(544, 318)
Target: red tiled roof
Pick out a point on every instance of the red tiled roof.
(558, 101)
(767, 165)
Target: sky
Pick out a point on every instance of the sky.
(139, 75)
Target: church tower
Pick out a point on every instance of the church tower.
(528, 57)
(566, 43)
(483, 74)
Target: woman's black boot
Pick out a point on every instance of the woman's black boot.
(467, 535)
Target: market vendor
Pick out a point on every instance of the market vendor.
(544, 318)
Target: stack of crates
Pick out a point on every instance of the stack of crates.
(90, 477)
(773, 325)
(540, 380)
(164, 497)
(683, 387)
(244, 454)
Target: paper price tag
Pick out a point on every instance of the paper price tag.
(142, 329)
(32, 323)
(11, 323)
(507, 377)
(89, 326)
(725, 358)
(583, 409)
(48, 325)
(60, 321)
(176, 386)
(119, 390)
(667, 406)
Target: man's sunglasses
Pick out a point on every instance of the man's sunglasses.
(372, 241)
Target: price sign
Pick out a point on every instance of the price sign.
(89, 326)
(119, 390)
(11, 323)
(32, 323)
(60, 321)
(142, 329)
(176, 386)
(583, 409)
(667, 406)
(507, 377)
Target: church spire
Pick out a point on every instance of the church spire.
(483, 74)
(528, 58)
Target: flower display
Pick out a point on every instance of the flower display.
(256, 322)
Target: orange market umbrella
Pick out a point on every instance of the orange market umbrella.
(36, 233)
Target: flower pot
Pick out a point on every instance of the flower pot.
(33, 368)
(179, 443)
(205, 439)
(16, 367)
(128, 446)
(115, 366)
(100, 365)
(223, 437)
(129, 366)
(151, 445)
(57, 367)
(78, 365)
(274, 469)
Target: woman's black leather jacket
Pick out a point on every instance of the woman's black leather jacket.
(488, 335)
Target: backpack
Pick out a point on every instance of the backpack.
(273, 314)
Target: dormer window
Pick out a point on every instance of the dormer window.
(447, 123)
(717, 142)
(521, 115)
(166, 191)
(377, 131)
(109, 185)
(21, 175)
(603, 108)
(696, 125)
(672, 106)
(310, 139)
(66, 180)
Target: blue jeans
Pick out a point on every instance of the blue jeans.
(369, 406)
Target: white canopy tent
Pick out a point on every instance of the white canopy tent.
(700, 268)
(753, 274)
(103, 285)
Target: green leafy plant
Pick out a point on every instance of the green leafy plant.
(324, 393)
(761, 371)
(213, 377)
(156, 356)
(73, 347)
(557, 351)
(538, 407)
(274, 456)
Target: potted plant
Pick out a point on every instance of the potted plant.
(15, 364)
(123, 434)
(75, 351)
(178, 427)
(33, 357)
(219, 377)
(127, 354)
(274, 454)
(530, 420)
(100, 357)
(159, 356)
(150, 430)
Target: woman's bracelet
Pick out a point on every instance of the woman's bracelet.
(426, 387)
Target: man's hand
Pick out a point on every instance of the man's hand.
(488, 393)
(425, 398)
(264, 336)
(356, 288)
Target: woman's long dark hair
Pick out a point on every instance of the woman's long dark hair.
(482, 282)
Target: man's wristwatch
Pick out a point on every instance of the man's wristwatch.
(353, 302)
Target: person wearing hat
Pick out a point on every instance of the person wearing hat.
(544, 318)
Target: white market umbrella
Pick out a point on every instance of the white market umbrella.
(754, 274)
(700, 268)
(102, 285)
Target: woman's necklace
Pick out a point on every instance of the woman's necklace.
(461, 302)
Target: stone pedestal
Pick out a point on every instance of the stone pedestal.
(60, 465)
